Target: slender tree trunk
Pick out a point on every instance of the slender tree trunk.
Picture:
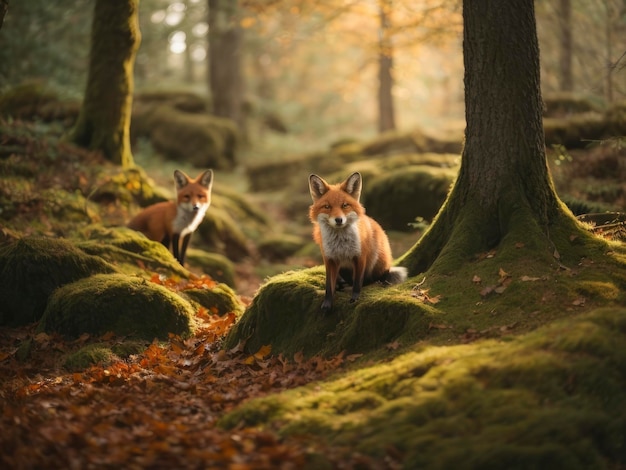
(565, 23)
(225, 81)
(4, 7)
(386, 115)
(504, 183)
(104, 120)
(608, 31)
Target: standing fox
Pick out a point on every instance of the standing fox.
(354, 246)
(167, 222)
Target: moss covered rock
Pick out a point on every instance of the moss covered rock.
(219, 300)
(31, 268)
(202, 140)
(276, 248)
(124, 305)
(395, 199)
(215, 265)
(286, 313)
(102, 353)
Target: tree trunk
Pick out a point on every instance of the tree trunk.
(104, 120)
(504, 184)
(4, 7)
(225, 59)
(386, 117)
(565, 23)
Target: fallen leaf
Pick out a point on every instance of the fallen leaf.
(529, 279)
(476, 279)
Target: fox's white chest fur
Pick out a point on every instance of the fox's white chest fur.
(187, 220)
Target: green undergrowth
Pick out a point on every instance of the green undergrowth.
(552, 398)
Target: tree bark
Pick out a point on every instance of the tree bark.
(386, 115)
(504, 182)
(104, 120)
(225, 80)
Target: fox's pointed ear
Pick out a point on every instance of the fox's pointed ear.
(181, 179)
(206, 179)
(352, 185)
(317, 187)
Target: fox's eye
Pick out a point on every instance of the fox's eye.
(345, 205)
(186, 197)
(326, 206)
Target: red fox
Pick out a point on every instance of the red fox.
(354, 246)
(167, 222)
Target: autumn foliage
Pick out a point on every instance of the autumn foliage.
(156, 409)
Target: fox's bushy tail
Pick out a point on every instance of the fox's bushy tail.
(396, 275)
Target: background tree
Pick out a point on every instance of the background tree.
(386, 114)
(4, 7)
(104, 120)
(225, 79)
(565, 23)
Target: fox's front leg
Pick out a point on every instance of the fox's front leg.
(357, 278)
(332, 272)
(175, 246)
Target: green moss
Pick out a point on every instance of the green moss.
(395, 199)
(32, 268)
(129, 250)
(124, 305)
(280, 247)
(221, 299)
(101, 353)
(215, 265)
(553, 398)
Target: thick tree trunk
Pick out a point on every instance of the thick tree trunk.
(225, 81)
(504, 178)
(104, 120)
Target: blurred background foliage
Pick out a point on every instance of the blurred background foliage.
(310, 69)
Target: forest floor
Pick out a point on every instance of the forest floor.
(157, 409)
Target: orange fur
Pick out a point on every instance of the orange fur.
(168, 222)
(353, 245)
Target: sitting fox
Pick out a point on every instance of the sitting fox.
(168, 222)
(353, 245)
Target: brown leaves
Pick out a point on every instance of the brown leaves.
(422, 294)
(156, 408)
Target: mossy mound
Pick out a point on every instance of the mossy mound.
(202, 140)
(126, 186)
(120, 304)
(101, 353)
(221, 233)
(553, 398)
(215, 265)
(563, 104)
(218, 300)
(395, 199)
(387, 151)
(286, 313)
(32, 100)
(129, 250)
(276, 248)
(31, 268)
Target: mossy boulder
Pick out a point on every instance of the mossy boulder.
(102, 353)
(564, 104)
(277, 248)
(31, 268)
(129, 250)
(286, 313)
(33, 100)
(124, 305)
(202, 140)
(395, 199)
(219, 299)
(215, 265)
